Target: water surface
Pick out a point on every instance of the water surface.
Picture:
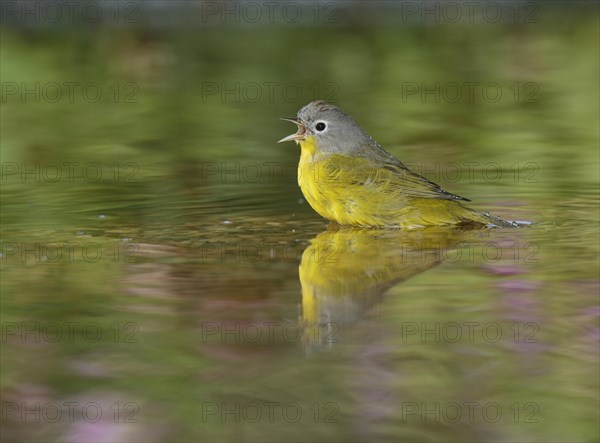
(160, 264)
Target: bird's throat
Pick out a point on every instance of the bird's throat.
(308, 147)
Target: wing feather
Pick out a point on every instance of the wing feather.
(391, 174)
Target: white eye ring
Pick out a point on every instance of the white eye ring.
(321, 126)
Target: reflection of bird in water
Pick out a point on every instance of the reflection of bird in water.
(344, 272)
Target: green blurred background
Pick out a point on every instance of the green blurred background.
(173, 174)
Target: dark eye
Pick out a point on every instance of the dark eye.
(320, 126)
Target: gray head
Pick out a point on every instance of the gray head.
(331, 130)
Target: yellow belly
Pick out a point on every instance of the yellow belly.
(347, 198)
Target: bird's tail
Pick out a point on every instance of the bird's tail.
(493, 221)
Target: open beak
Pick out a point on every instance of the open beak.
(298, 135)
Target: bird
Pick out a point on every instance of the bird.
(349, 179)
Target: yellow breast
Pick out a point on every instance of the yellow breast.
(309, 170)
(330, 194)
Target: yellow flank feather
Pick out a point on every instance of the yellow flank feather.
(351, 191)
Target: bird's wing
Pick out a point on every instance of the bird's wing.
(390, 173)
(417, 184)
